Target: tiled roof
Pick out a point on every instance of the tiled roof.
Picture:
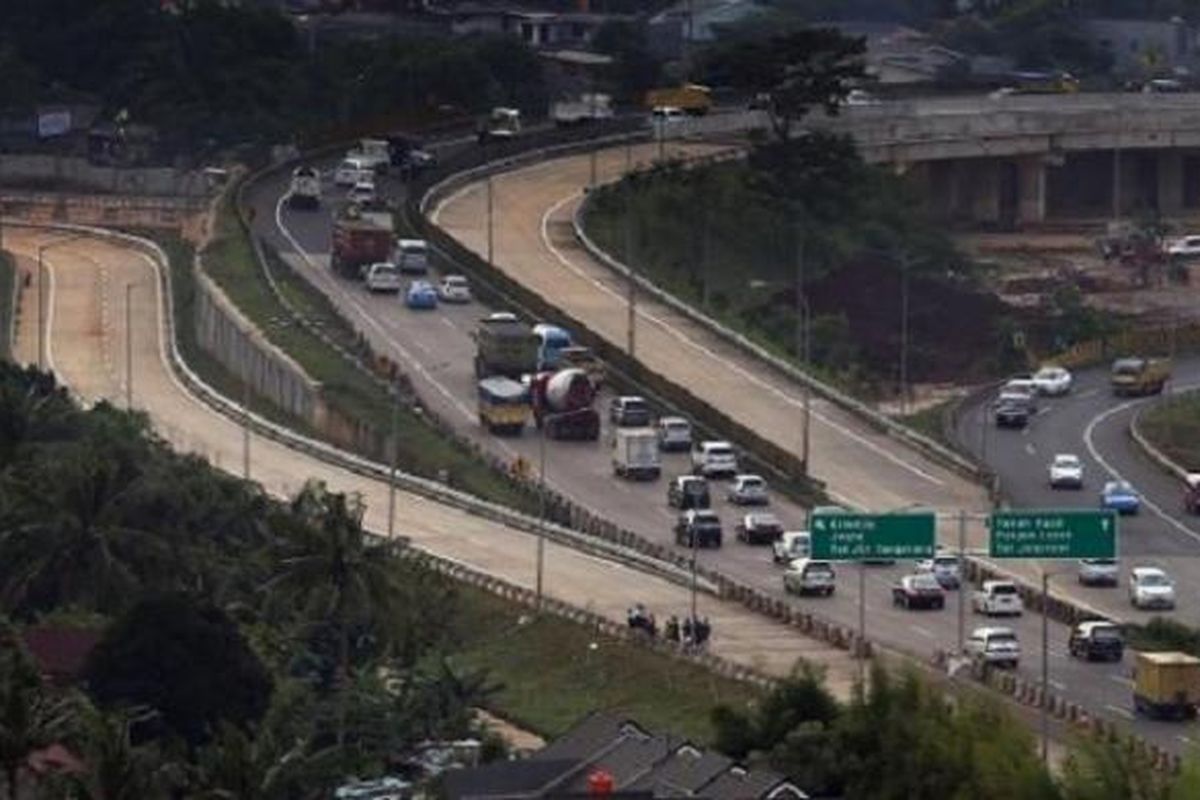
(508, 779)
(61, 653)
(684, 773)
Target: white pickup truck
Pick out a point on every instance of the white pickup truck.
(588, 108)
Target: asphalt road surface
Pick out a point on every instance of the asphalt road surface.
(85, 294)
(880, 474)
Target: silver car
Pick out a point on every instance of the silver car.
(749, 490)
(1099, 572)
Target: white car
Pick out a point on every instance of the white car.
(714, 459)
(351, 171)
(809, 576)
(454, 289)
(997, 597)
(995, 645)
(674, 433)
(749, 490)
(1150, 587)
(1052, 381)
(945, 568)
(1099, 572)
(861, 97)
(382, 277)
(362, 192)
(1066, 472)
(1184, 247)
(1024, 388)
(667, 115)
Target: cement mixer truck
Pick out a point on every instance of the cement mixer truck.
(563, 403)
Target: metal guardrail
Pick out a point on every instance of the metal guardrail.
(357, 464)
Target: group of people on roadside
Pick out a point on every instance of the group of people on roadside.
(690, 632)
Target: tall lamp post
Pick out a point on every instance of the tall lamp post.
(41, 301)
(547, 420)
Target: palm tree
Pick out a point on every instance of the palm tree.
(330, 568)
(31, 718)
(72, 540)
(33, 409)
(237, 766)
(116, 769)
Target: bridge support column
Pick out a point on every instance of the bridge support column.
(984, 179)
(1170, 182)
(1031, 189)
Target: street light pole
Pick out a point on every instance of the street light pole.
(41, 274)
(802, 344)
(129, 346)
(862, 624)
(490, 220)
(631, 302)
(1045, 717)
(904, 335)
(394, 456)
(962, 590)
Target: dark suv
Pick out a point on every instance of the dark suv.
(698, 528)
(688, 491)
(1012, 415)
(629, 412)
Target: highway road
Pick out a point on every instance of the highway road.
(1094, 425)
(436, 350)
(85, 312)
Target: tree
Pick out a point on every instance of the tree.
(328, 567)
(115, 768)
(31, 717)
(800, 70)
(186, 660)
(241, 766)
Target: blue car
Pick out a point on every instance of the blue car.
(1119, 496)
(421, 294)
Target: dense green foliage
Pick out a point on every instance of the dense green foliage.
(904, 738)
(8, 278)
(213, 72)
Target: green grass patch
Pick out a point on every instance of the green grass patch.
(423, 448)
(1162, 634)
(931, 421)
(1173, 426)
(8, 283)
(551, 675)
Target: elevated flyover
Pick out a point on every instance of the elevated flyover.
(1021, 159)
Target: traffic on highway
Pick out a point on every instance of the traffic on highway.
(911, 606)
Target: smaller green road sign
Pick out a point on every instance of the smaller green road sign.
(1053, 534)
(872, 537)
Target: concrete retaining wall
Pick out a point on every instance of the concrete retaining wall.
(101, 209)
(78, 172)
(233, 340)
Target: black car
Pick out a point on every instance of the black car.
(759, 528)
(698, 529)
(688, 492)
(629, 411)
(1012, 415)
(1097, 640)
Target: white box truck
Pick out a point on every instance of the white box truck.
(635, 453)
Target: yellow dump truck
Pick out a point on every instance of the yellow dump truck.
(1166, 685)
(1138, 375)
(503, 405)
(692, 98)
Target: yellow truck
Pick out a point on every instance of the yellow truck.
(692, 98)
(1166, 685)
(503, 405)
(1138, 375)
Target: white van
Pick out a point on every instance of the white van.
(382, 277)
(352, 170)
(809, 576)
(791, 546)
(411, 256)
(714, 459)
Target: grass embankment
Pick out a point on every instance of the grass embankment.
(550, 674)
(1173, 426)
(8, 281)
(230, 262)
(931, 421)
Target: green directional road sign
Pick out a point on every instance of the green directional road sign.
(872, 537)
(1053, 534)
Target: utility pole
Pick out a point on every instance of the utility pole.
(394, 446)
(862, 624)
(1045, 717)
(41, 296)
(904, 334)
(802, 345)
(246, 422)
(592, 150)
(631, 321)
(129, 346)
(541, 533)
(490, 221)
(962, 590)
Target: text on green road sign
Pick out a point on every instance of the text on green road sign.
(867, 537)
(1053, 534)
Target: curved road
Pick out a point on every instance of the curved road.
(85, 312)
(533, 242)
(1093, 424)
